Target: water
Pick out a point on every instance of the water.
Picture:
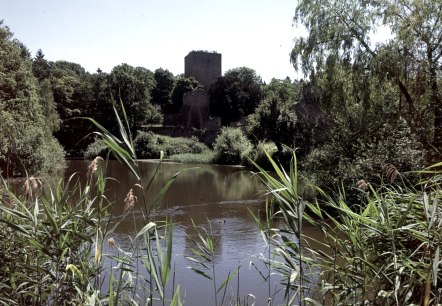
(217, 196)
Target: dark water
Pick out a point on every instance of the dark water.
(222, 197)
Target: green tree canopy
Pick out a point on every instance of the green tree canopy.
(40, 66)
(26, 140)
(235, 95)
(134, 87)
(339, 33)
(183, 85)
(275, 117)
(162, 92)
(72, 93)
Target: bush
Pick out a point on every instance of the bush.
(146, 145)
(205, 157)
(96, 148)
(149, 145)
(258, 155)
(231, 146)
(331, 165)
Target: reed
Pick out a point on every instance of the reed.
(203, 257)
(384, 250)
(148, 243)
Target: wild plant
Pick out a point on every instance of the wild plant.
(284, 187)
(46, 242)
(147, 247)
(53, 236)
(203, 257)
(384, 250)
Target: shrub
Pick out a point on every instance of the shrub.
(146, 145)
(149, 145)
(96, 148)
(231, 146)
(332, 165)
(205, 157)
(257, 154)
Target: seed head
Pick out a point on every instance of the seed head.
(111, 242)
(361, 184)
(129, 201)
(30, 186)
(92, 168)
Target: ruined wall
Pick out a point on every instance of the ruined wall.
(205, 67)
(194, 116)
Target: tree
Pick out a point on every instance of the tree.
(71, 87)
(275, 117)
(183, 85)
(231, 146)
(162, 92)
(100, 105)
(235, 95)
(340, 33)
(41, 68)
(134, 86)
(26, 140)
(49, 107)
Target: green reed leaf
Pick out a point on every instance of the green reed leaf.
(145, 229)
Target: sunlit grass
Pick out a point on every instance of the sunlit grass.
(205, 157)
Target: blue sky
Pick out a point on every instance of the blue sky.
(157, 33)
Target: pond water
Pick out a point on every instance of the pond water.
(219, 196)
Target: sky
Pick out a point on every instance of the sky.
(157, 33)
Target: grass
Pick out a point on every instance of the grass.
(205, 157)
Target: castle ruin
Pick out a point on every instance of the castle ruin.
(205, 67)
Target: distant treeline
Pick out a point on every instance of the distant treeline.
(362, 108)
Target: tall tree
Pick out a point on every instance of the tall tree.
(134, 87)
(72, 92)
(339, 32)
(40, 66)
(162, 92)
(26, 140)
(275, 117)
(235, 95)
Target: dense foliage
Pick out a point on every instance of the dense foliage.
(235, 95)
(231, 146)
(275, 117)
(26, 140)
(149, 145)
(382, 249)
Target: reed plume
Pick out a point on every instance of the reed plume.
(129, 201)
(111, 242)
(391, 172)
(30, 186)
(92, 168)
(361, 184)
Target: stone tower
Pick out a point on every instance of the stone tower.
(204, 66)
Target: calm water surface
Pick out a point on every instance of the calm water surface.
(219, 196)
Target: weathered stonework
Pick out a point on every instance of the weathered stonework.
(205, 67)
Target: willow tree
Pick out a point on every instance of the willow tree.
(340, 32)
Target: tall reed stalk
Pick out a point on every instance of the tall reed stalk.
(384, 250)
(157, 261)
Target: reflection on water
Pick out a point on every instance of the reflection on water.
(216, 196)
